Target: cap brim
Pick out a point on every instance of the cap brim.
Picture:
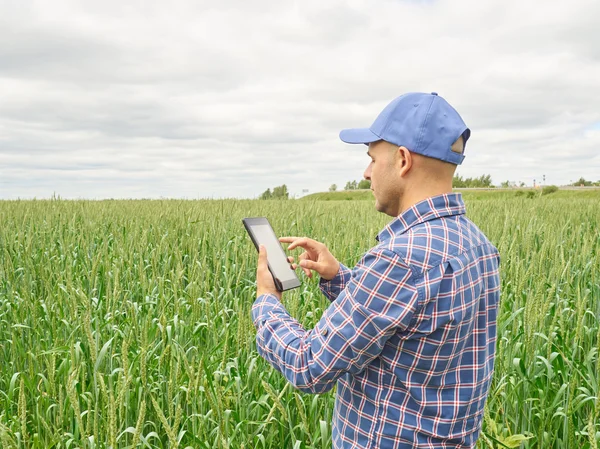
(358, 135)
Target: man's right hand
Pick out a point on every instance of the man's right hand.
(315, 257)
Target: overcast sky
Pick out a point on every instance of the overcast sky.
(197, 99)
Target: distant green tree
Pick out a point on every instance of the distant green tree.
(280, 192)
(582, 182)
(332, 187)
(505, 184)
(353, 185)
(364, 184)
(266, 195)
(458, 181)
(483, 181)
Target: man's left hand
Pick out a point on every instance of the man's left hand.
(264, 279)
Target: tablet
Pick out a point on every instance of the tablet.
(262, 233)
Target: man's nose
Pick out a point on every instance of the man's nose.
(367, 173)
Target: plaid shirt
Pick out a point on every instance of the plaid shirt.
(409, 337)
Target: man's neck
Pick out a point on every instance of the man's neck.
(414, 196)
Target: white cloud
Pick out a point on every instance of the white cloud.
(197, 99)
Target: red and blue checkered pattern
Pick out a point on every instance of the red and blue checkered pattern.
(409, 338)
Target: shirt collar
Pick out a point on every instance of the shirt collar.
(445, 205)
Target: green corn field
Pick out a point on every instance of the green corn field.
(127, 324)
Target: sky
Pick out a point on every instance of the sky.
(197, 99)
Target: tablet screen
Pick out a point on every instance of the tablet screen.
(265, 236)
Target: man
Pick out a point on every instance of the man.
(410, 335)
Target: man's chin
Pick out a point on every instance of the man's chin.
(383, 209)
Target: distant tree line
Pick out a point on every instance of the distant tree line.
(481, 182)
(582, 182)
(458, 181)
(506, 184)
(353, 185)
(278, 193)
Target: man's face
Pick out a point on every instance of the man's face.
(386, 183)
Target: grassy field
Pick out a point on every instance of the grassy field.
(127, 323)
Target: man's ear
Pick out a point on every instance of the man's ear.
(404, 160)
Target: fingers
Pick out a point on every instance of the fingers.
(304, 260)
(291, 261)
(287, 239)
(303, 242)
(262, 257)
(301, 258)
(291, 240)
(308, 265)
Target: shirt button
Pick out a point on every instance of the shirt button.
(324, 331)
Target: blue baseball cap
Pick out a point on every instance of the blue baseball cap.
(423, 123)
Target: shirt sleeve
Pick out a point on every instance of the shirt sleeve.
(379, 299)
(333, 287)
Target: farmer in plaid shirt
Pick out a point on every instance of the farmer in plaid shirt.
(410, 335)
